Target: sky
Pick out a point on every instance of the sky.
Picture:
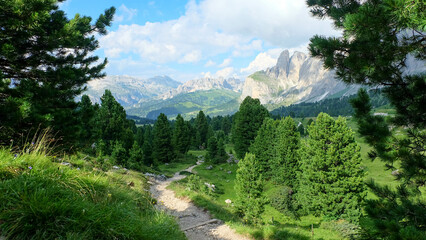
(189, 39)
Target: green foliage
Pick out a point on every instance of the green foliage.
(119, 153)
(247, 122)
(212, 149)
(135, 157)
(48, 59)
(181, 136)
(194, 183)
(162, 144)
(282, 200)
(346, 229)
(42, 199)
(201, 128)
(249, 185)
(285, 165)
(264, 145)
(111, 124)
(331, 179)
(334, 106)
(375, 51)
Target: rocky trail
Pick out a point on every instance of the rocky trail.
(195, 222)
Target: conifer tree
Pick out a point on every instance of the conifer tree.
(286, 163)
(119, 153)
(87, 113)
(247, 122)
(249, 186)
(264, 145)
(212, 149)
(162, 144)
(202, 129)
(147, 157)
(46, 60)
(221, 153)
(380, 39)
(181, 138)
(135, 157)
(331, 180)
(111, 123)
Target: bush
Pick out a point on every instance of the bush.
(346, 229)
(282, 200)
(194, 183)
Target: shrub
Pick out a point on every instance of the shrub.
(282, 200)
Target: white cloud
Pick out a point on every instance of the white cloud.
(262, 61)
(209, 63)
(126, 14)
(226, 62)
(226, 72)
(213, 27)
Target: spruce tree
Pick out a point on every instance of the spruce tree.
(119, 153)
(162, 144)
(181, 138)
(264, 145)
(202, 129)
(111, 123)
(147, 157)
(221, 153)
(247, 122)
(286, 163)
(212, 149)
(135, 157)
(46, 60)
(87, 113)
(380, 39)
(249, 186)
(331, 178)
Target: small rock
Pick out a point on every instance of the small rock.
(166, 164)
(209, 167)
(66, 163)
(131, 184)
(395, 173)
(115, 167)
(229, 172)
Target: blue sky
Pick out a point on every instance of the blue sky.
(193, 39)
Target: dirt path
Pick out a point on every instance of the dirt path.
(195, 222)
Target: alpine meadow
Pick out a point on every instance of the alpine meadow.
(213, 119)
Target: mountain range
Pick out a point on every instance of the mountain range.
(294, 79)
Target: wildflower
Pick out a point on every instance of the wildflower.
(30, 167)
(32, 143)
(16, 155)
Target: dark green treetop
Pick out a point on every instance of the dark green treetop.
(45, 60)
(247, 122)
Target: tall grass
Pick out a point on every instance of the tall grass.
(41, 199)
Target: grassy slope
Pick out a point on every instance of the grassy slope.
(42, 199)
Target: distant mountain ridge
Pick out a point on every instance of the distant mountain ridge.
(294, 79)
(129, 90)
(204, 84)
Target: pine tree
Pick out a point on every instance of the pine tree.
(86, 113)
(119, 153)
(286, 163)
(162, 144)
(48, 59)
(249, 186)
(264, 145)
(247, 122)
(111, 123)
(221, 153)
(181, 138)
(212, 149)
(135, 157)
(201, 128)
(147, 158)
(331, 181)
(379, 39)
